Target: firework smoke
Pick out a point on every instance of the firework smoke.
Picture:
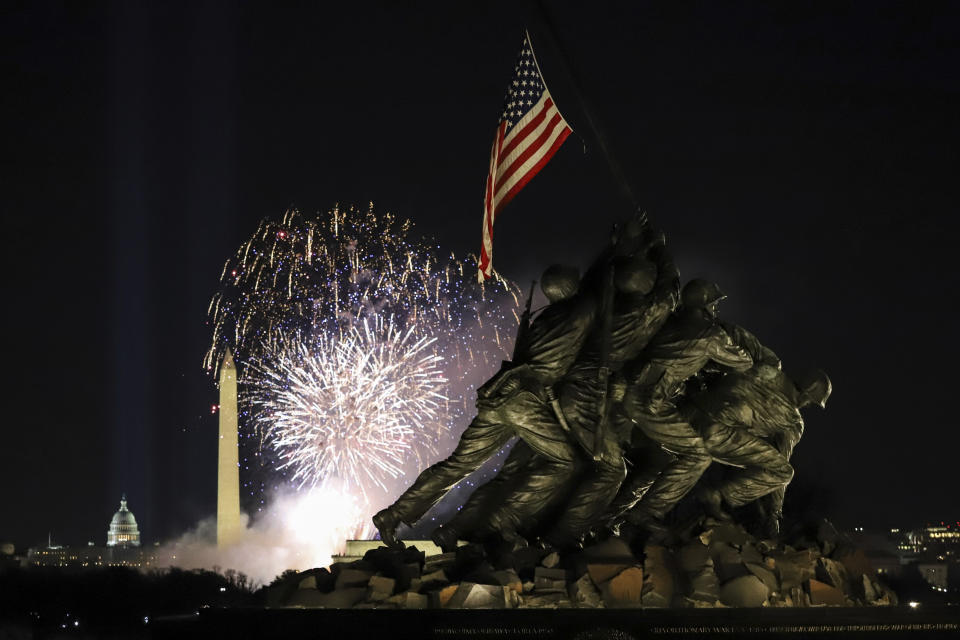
(299, 530)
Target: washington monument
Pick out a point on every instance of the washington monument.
(228, 467)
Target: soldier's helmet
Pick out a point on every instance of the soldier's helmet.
(697, 294)
(560, 282)
(815, 388)
(634, 274)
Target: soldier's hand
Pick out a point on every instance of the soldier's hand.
(489, 387)
(631, 239)
(386, 522)
(634, 228)
(766, 371)
(504, 384)
(508, 387)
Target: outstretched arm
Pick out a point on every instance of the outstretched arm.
(761, 354)
(724, 351)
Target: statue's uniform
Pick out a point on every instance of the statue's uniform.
(518, 408)
(688, 341)
(635, 320)
(755, 421)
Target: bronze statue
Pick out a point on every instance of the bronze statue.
(609, 375)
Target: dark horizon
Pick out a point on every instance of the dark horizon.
(803, 156)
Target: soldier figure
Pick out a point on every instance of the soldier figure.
(689, 340)
(590, 408)
(750, 420)
(513, 403)
(753, 420)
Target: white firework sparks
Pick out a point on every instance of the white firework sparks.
(358, 406)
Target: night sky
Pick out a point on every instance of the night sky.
(803, 155)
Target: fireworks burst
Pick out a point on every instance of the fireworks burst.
(355, 344)
(324, 275)
(355, 408)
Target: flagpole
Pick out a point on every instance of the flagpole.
(592, 122)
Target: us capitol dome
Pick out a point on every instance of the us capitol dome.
(123, 528)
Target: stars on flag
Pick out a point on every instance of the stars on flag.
(525, 89)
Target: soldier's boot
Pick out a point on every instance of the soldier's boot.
(513, 541)
(645, 529)
(770, 524)
(386, 522)
(446, 538)
(657, 532)
(503, 550)
(770, 530)
(563, 544)
(599, 533)
(712, 502)
(543, 546)
(628, 532)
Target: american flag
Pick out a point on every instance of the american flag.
(531, 130)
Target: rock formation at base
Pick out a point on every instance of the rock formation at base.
(713, 565)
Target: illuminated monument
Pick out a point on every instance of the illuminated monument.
(123, 548)
(123, 530)
(228, 468)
